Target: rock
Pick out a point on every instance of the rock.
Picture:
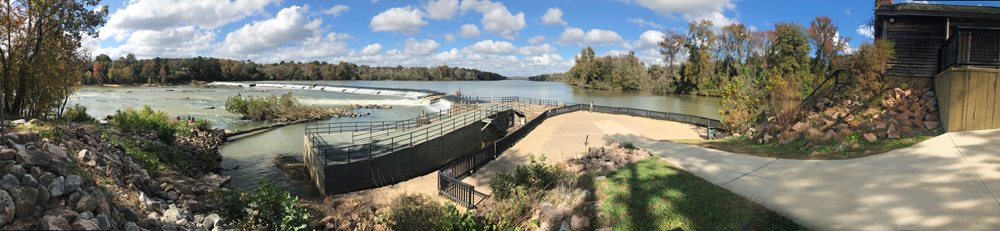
(870, 137)
(51, 222)
(86, 215)
(84, 224)
(57, 187)
(149, 223)
(215, 180)
(907, 129)
(906, 123)
(829, 135)
(894, 135)
(43, 194)
(931, 117)
(565, 226)
(579, 223)
(9, 181)
(63, 212)
(931, 124)
(814, 154)
(24, 201)
(7, 209)
(32, 158)
(903, 116)
(914, 106)
(210, 220)
(59, 167)
(17, 170)
(103, 206)
(73, 183)
(103, 222)
(128, 213)
(918, 123)
(173, 213)
(169, 226)
(28, 180)
(596, 152)
(46, 178)
(55, 150)
(8, 154)
(582, 198)
(194, 206)
(87, 203)
(130, 226)
(800, 127)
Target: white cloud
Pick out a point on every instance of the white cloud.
(535, 50)
(491, 47)
(291, 24)
(177, 42)
(312, 49)
(867, 31)
(847, 11)
(537, 39)
(553, 17)
(645, 23)
(448, 56)
(337, 10)
(496, 18)
(469, 31)
(406, 20)
(648, 40)
(420, 48)
(157, 15)
(372, 49)
(690, 10)
(449, 37)
(592, 37)
(441, 9)
(374, 1)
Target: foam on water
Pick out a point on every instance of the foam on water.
(411, 97)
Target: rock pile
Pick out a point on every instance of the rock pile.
(606, 160)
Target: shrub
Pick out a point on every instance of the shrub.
(202, 124)
(146, 120)
(784, 101)
(413, 212)
(453, 220)
(743, 101)
(629, 145)
(533, 176)
(868, 61)
(78, 113)
(266, 207)
(272, 107)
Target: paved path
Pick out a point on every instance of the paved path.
(943, 183)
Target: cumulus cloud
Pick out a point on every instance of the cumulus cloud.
(866, 31)
(553, 17)
(449, 37)
(337, 10)
(535, 50)
(493, 47)
(406, 20)
(157, 15)
(313, 48)
(648, 40)
(372, 49)
(690, 10)
(420, 48)
(645, 23)
(537, 39)
(441, 9)
(594, 36)
(177, 42)
(496, 18)
(451, 56)
(469, 31)
(291, 24)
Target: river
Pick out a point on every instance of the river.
(254, 153)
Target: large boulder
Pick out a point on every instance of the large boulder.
(103, 222)
(6, 208)
(128, 213)
(85, 225)
(8, 154)
(32, 158)
(9, 181)
(24, 201)
(63, 212)
(215, 180)
(73, 183)
(55, 150)
(59, 167)
(58, 187)
(29, 181)
(211, 220)
(51, 222)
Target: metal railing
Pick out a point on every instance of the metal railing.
(397, 127)
(351, 153)
(837, 78)
(450, 176)
(970, 46)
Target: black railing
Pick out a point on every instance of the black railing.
(971, 46)
(398, 127)
(450, 176)
(838, 78)
(367, 151)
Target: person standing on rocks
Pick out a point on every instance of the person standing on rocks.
(591, 106)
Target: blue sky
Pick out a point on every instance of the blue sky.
(513, 38)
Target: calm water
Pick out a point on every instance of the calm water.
(253, 154)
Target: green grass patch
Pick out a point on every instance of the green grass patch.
(794, 149)
(149, 154)
(652, 194)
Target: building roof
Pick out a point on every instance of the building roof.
(942, 8)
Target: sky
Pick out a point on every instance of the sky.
(512, 38)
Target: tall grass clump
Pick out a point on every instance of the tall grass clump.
(78, 114)
(273, 107)
(145, 120)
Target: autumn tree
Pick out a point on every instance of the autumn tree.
(671, 47)
(699, 72)
(824, 38)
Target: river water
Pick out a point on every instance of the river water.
(253, 153)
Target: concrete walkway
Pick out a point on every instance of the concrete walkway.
(943, 183)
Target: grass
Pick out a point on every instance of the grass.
(794, 149)
(652, 194)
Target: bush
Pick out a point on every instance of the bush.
(784, 101)
(629, 145)
(78, 114)
(534, 176)
(272, 107)
(868, 61)
(413, 212)
(146, 120)
(267, 206)
(743, 101)
(202, 124)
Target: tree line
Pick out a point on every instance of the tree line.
(715, 59)
(129, 70)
